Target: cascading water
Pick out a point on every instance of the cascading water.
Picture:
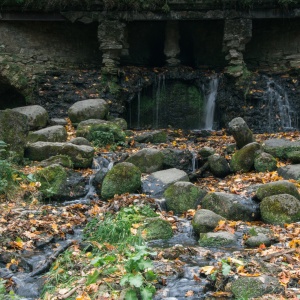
(210, 102)
(160, 88)
(280, 112)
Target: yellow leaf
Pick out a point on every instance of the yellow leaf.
(55, 266)
(207, 270)
(83, 296)
(54, 227)
(31, 216)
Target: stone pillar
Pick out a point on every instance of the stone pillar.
(237, 33)
(111, 36)
(172, 49)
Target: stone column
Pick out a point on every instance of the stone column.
(237, 33)
(111, 36)
(172, 49)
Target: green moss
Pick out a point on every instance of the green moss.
(122, 178)
(51, 179)
(157, 228)
(206, 241)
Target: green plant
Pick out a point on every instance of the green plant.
(7, 181)
(139, 275)
(6, 295)
(252, 232)
(102, 138)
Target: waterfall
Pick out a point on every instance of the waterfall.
(160, 88)
(210, 102)
(279, 107)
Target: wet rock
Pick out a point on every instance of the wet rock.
(81, 156)
(280, 148)
(217, 239)
(205, 221)
(13, 131)
(230, 206)
(122, 178)
(59, 184)
(241, 132)
(280, 209)
(179, 159)
(147, 160)
(250, 287)
(155, 137)
(218, 166)
(157, 228)
(63, 160)
(205, 152)
(55, 133)
(80, 141)
(182, 196)
(290, 172)
(88, 109)
(276, 188)
(265, 162)
(257, 240)
(156, 183)
(36, 114)
(100, 132)
(243, 159)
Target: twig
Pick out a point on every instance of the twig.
(68, 294)
(275, 254)
(48, 262)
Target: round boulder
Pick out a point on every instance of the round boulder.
(218, 165)
(148, 160)
(56, 133)
(88, 109)
(217, 239)
(280, 209)
(264, 162)
(205, 221)
(156, 228)
(122, 178)
(182, 196)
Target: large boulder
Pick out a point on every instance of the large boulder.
(280, 148)
(63, 160)
(57, 183)
(156, 183)
(179, 159)
(290, 172)
(218, 165)
(36, 114)
(253, 287)
(241, 132)
(56, 133)
(231, 206)
(156, 228)
(122, 178)
(280, 209)
(182, 196)
(217, 239)
(81, 156)
(293, 157)
(243, 159)
(88, 109)
(13, 131)
(276, 188)
(265, 162)
(147, 160)
(205, 220)
(154, 137)
(100, 132)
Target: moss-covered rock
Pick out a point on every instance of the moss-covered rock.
(147, 160)
(205, 221)
(100, 132)
(280, 148)
(243, 159)
(182, 196)
(280, 209)
(218, 165)
(13, 131)
(257, 240)
(156, 228)
(155, 137)
(250, 287)
(63, 160)
(205, 152)
(231, 206)
(264, 162)
(81, 156)
(217, 239)
(122, 178)
(293, 156)
(56, 133)
(179, 159)
(276, 188)
(120, 122)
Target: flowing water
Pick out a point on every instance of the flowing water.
(210, 102)
(280, 112)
